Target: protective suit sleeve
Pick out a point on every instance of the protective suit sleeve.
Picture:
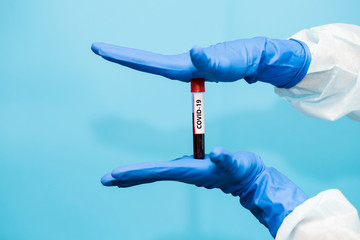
(331, 87)
(327, 216)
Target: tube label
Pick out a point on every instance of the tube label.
(198, 113)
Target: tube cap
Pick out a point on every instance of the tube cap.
(198, 85)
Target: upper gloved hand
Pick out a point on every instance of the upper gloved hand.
(268, 194)
(282, 63)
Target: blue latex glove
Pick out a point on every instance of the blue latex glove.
(267, 193)
(282, 63)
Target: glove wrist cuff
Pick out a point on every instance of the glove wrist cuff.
(303, 70)
(283, 63)
(271, 198)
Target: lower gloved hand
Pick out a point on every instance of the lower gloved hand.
(282, 63)
(267, 193)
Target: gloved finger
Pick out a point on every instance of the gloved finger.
(185, 170)
(177, 67)
(217, 63)
(223, 159)
(108, 180)
(201, 60)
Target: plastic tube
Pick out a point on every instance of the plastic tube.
(198, 89)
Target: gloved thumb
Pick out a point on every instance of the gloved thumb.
(223, 159)
(202, 61)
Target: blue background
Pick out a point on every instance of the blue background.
(67, 117)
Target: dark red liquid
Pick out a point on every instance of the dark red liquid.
(198, 143)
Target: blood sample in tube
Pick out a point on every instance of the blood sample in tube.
(198, 89)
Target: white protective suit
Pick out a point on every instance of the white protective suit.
(327, 216)
(330, 90)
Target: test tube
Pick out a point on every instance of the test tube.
(198, 89)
